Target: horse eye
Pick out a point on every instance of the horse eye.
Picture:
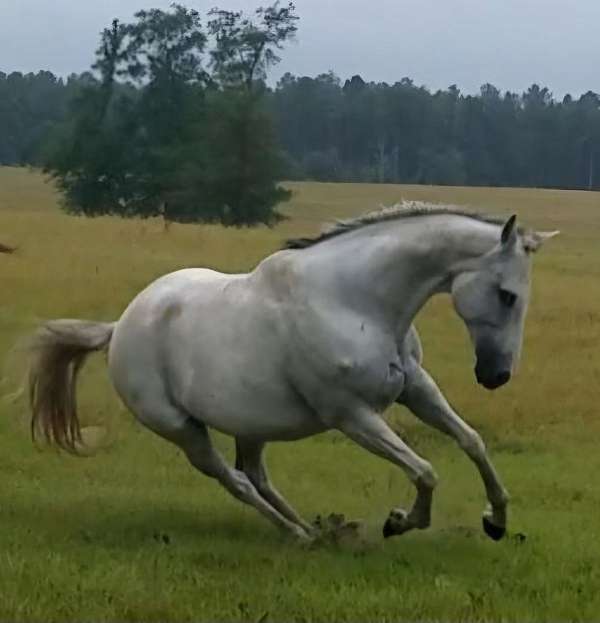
(507, 298)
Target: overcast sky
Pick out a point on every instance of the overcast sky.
(510, 43)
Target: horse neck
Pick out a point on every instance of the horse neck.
(391, 269)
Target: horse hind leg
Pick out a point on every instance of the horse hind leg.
(250, 460)
(193, 438)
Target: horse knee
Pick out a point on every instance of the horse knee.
(473, 444)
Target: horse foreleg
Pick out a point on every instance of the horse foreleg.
(423, 397)
(370, 431)
(250, 459)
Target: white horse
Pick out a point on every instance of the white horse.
(318, 336)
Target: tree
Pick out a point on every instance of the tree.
(155, 133)
(246, 48)
(404, 133)
(243, 160)
(164, 58)
(87, 155)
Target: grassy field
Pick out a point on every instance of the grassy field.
(134, 534)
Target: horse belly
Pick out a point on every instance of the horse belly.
(264, 415)
(241, 396)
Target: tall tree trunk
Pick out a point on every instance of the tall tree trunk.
(395, 164)
(381, 163)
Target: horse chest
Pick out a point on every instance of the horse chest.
(369, 368)
(378, 380)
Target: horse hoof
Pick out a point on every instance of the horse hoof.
(397, 523)
(305, 540)
(388, 529)
(492, 530)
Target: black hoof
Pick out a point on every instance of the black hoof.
(492, 530)
(388, 530)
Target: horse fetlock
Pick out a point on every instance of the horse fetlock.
(496, 515)
(494, 522)
(502, 500)
(302, 536)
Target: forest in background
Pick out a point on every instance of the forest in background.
(360, 131)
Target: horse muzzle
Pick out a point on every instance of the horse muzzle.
(492, 369)
(493, 381)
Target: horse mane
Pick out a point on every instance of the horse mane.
(405, 209)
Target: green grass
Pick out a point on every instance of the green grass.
(135, 534)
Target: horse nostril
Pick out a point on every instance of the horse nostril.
(503, 377)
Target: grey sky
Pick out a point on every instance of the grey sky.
(510, 43)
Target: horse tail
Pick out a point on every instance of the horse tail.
(58, 350)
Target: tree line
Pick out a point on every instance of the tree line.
(30, 105)
(403, 133)
(175, 118)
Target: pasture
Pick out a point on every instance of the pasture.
(134, 534)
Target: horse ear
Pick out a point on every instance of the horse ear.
(509, 232)
(535, 239)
